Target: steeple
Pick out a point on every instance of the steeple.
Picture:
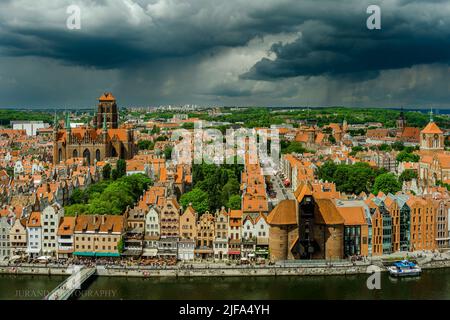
(431, 115)
(401, 121)
(68, 122)
(95, 121)
(105, 127)
(55, 122)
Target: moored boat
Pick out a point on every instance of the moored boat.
(404, 268)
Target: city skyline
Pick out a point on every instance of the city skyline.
(236, 53)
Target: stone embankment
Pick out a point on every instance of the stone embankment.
(212, 270)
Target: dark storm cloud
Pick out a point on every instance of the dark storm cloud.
(116, 34)
(152, 52)
(413, 33)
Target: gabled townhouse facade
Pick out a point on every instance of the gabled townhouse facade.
(221, 228)
(152, 232)
(18, 237)
(65, 235)
(5, 228)
(50, 219)
(98, 235)
(34, 230)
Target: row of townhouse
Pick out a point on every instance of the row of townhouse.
(49, 233)
(169, 231)
(320, 224)
(404, 222)
(32, 234)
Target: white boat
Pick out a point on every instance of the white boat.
(404, 268)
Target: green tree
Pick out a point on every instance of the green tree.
(398, 146)
(407, 157)
(145, 145)
(120, 245)
(384, 147)
(79, 196)
(407, 175)
(75, 209)
(168, 152)
(331, 139)
(162, 138)
(234, 202)
(121, 168)
(232, 187)
(198, 198)
(106, 171)
(155, 130)
(387, 183)
(114, 174)
(188, 125)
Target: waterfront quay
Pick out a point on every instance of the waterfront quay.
(205, 269)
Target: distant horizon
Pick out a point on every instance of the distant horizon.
(437, 111)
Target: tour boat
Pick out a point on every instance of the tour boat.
(404, 268)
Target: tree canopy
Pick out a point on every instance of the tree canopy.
(407, 175)
(198, 198)
(219, 182)
(107, 196)
(387, 183)
(355, 178)
(405, 156)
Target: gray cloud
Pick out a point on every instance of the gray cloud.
(260, 52)
(345, 47)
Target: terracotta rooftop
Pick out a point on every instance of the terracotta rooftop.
(432, 128)
(328, 213)
(107, 96)
(34, 220)
(285, 213)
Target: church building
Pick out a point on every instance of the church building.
(94, 143)
(434, 165)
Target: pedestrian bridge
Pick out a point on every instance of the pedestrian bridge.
(71, 284)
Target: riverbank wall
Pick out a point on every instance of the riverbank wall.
(213, 271)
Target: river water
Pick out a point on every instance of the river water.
(433, 284)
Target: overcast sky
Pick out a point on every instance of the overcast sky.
(225, 52)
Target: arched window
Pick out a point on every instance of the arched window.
(59, 155)
(75, 153)
(97, 155)
(87, 156)
(436, 141)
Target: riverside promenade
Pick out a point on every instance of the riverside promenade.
(204, 269)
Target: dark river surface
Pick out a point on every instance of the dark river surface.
(433, 284)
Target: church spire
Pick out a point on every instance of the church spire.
(68, 122)
(431, 115)
(55, 122)
(105, 127)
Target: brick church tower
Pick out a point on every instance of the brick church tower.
(107, 107)
(432, 137)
